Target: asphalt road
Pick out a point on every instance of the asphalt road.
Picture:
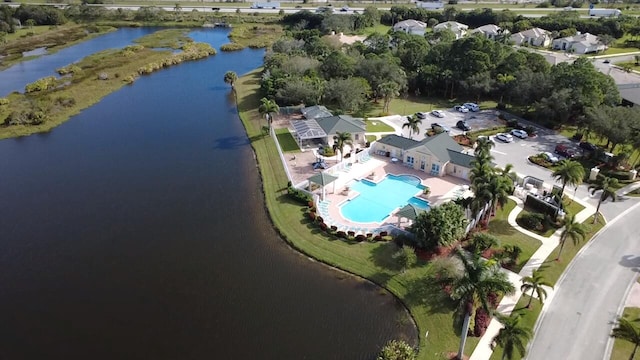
(578, 321)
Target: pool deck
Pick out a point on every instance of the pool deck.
(375, 169)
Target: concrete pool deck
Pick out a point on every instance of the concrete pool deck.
(376, 169)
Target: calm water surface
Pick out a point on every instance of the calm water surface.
(16, 77)
(137, 230)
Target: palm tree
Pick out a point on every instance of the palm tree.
(628, 331)
(572, 229)
(340, 139)
(413, 124)
(535, 283)
(388, 90)
(513, 336)
(483, 145)
(472, 285)
(606, 185)
(230, 77)
(496, 191)
(266, 108)
(569, 172)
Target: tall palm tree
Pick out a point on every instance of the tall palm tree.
(513, 336)
(606, 185)
(569, 172)
(472, 285)
(266, 108)
(340, 139)
(483, 145)
(572, 229)
(627, 330)
(388, 90)
(413, 124)
(535, 283)
(230, 77)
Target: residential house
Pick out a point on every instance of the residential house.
(460, 30)
(410, 26)
(322, 130)
(438, 155)
(489, 31)
(534, 37)
(579, 44)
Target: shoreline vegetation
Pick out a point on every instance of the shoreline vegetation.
(53, 39)
(49, 102)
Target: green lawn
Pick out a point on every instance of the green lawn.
(378, 126)
(553, 269)
(413, 104)
(570, 206)
(286, 140)
(431, 309)
(370, 138)
(618, 46)
(528, 319)
(622, 349)
(499, 227)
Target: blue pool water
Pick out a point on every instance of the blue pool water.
(377, 201)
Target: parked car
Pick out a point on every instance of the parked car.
(421, 115)
(215, 8)
(472, 106)
(438, 125)
(587, 146)
(438, 113)
(565, 151)
(519, 133)
(504, 137)
(461, 108)
(344, 9)
(462, 125)
(607, 61)
(550, 157)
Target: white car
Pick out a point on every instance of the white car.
(519, 133)
(438, 113)
(461, 109)
(504, 137)
(472, 106)
(552, 158)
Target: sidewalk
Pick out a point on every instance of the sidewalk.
(483, 350)
(629, 188)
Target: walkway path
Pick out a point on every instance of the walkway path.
(483, 350)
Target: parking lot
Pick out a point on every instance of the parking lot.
(476, 120)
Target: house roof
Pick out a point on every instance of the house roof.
(341, 123)
(487, 29)
(630, 92)
(316, 111)
(410, 23)
(398, 141)
(586, 39)
(534, 33)
(460, 158)
(307, 129)
(451, 25)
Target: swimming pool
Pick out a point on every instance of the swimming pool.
(376, 201)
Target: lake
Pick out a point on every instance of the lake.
(137, 230)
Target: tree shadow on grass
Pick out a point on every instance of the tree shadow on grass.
(429, 293)
(501, 227)
(381, 256)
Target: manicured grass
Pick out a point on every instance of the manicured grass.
(618, 46)
(431, 309)
(623, 349)
(413, 104)
(370, 138)
(378, 126)
(553, 269)
(379, 28)
(570, 206)
(528, 318)
(500, 228)
(286, 140)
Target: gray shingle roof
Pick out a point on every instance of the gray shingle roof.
(341, 123)
(398, 141)
(461, 159)
(439, 145)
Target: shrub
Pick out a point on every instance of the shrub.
(481, 322)
(41, 84)
(532, 221)
(231, 47)
(405, 257)
(360, 238)
(377, 238)
(323, 226)
(483, 241)
(512, 123)
(351, 233)
(341, 234)
(298, 195)
(312, 215)
(334, 228)
(4, 101)
(397, 350)
(512, 253)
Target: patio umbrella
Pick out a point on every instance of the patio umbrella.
(323, 179)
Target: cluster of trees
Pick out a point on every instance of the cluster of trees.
(619, 125)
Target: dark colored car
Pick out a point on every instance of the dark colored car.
(564, 150)
(588, 146)
(215, 8)
(462, 125)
